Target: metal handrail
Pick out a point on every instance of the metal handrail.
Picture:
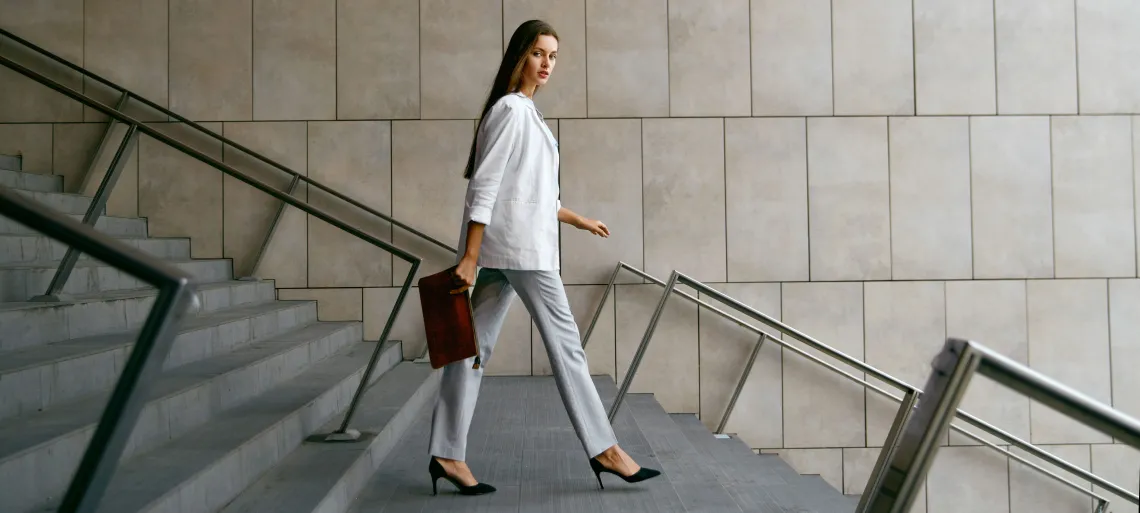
(895, 484)
(121, 413)
(130, 95)
(670, 288)
(343, 433)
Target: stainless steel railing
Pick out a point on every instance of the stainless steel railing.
(135, 126)
(909, 450)
(911, 394)
(175, 295)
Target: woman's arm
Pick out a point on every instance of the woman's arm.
(593, 226)
(465, 271)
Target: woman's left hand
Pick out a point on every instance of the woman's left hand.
(595, 227)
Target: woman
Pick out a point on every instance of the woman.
(510, 231)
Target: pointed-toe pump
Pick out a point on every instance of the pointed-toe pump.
(436, 470)
(637, 477)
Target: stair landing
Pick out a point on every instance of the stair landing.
(521, 442)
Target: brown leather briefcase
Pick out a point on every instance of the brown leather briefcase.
(449, 320)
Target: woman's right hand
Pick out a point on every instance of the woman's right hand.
(464, 275)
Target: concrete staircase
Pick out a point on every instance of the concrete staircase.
(235, 422)
(248, 379)
(521, 441)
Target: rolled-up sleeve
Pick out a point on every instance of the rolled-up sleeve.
(501, 132)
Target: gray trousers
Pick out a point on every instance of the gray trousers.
(544, 296)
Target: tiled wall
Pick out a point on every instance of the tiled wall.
(878, 173)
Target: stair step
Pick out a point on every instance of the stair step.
(21, 281)
(732, 452)
(37, 377)
(112, 226)
(39, 248)
(11, 162)
(15, 179)
(60, 201)
(24, 324)
(183, 399)
(326, 477)
(206, 468)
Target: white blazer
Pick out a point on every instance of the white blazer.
(514, 190)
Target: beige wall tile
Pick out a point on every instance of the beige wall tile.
(75, 143)
(791, 58)
(565, 95)
(874, 57)
(1108, 46)
(992, 313)
(1135, 172)
(766, 199)
(409, 325)
(353, 157)
(627, 66)
(1011, 186)
(706, 75)
(725, 349)
(849, 199)
(1036, 56)
(295, 60)
(600, 352)
(930, 198)
(968, 480)
(1068, 341)
(377, 59)
(180, 196)
(132, 54)
(1124, 325)
(954, 57)
(822, 408)
(1116, 463)
(1031, 492)
(1093, 203)
(249, 212)
(32, 141)
(332, 304)
(857, 467)
(56, 26)
(667, 368)
(905, 329)
(684, 197)
(826, 463)
(460, 51)
(601, 178)
(211, 59)
(427, 171)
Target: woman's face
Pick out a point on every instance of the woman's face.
(540, 62)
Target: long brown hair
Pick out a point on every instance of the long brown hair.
(510, 73)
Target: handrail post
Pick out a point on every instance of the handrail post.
(890, 445)
(94, 211)
(344, 434)
(632, 371)
(111, 122)
(602, 304)
(256, 267)
(740, 384)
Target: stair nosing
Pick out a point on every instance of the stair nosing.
(118, 295)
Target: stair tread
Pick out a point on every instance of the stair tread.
(21, 434)
(32, 356)
(147, 478)
(306, 477)
(114, 295)
(97, 263)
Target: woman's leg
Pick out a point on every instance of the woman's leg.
(459, 387)
(545, 298)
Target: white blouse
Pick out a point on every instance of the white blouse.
(514, 190)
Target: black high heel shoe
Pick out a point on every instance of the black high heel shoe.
(436, 470)
(637, 477)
